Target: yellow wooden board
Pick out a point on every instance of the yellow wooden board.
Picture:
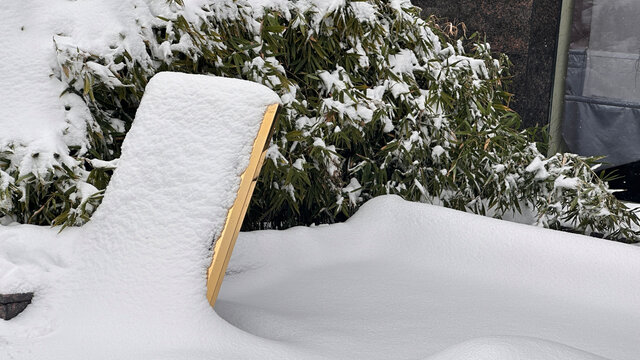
(227, 239)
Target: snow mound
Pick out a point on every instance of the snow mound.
(398, 280)
(135, 275)
(512, 348)
(406, 281)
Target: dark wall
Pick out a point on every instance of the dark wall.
(526, 30)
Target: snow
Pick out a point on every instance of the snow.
(437, 151)
(498, 168)
(478, 66)
(101, 164)
(333, 158)
(332, 80)
(563, 182)
(403, 62)
(32, 109)
(353, 191)
(538, 166)
(407, 281)
(398, 280)
(502, 347)
(299, 164)
(399, 88)
(47, 43)
(319, 143)
(135, 274)
(364, 11)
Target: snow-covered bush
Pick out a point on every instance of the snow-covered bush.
(376, 101)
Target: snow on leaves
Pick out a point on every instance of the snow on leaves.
(377, 101)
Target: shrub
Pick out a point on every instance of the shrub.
(376, 101)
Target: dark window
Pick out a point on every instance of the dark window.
(602, 96)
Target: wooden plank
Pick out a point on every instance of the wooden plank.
(224, 244)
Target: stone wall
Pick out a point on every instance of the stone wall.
(526, 30)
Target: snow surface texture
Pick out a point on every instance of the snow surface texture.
(404, 280)
(399, 280)
(133, 280)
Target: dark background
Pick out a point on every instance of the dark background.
(526, 30)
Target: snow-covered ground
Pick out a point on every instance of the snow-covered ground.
(399, 280)
(406, 281)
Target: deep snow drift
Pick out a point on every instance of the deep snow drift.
(404, 280)
(399, 280)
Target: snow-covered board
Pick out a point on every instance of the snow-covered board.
(138, 269)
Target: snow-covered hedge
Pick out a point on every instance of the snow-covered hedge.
(376, 101)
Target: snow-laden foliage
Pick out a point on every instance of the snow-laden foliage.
(376, 101)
